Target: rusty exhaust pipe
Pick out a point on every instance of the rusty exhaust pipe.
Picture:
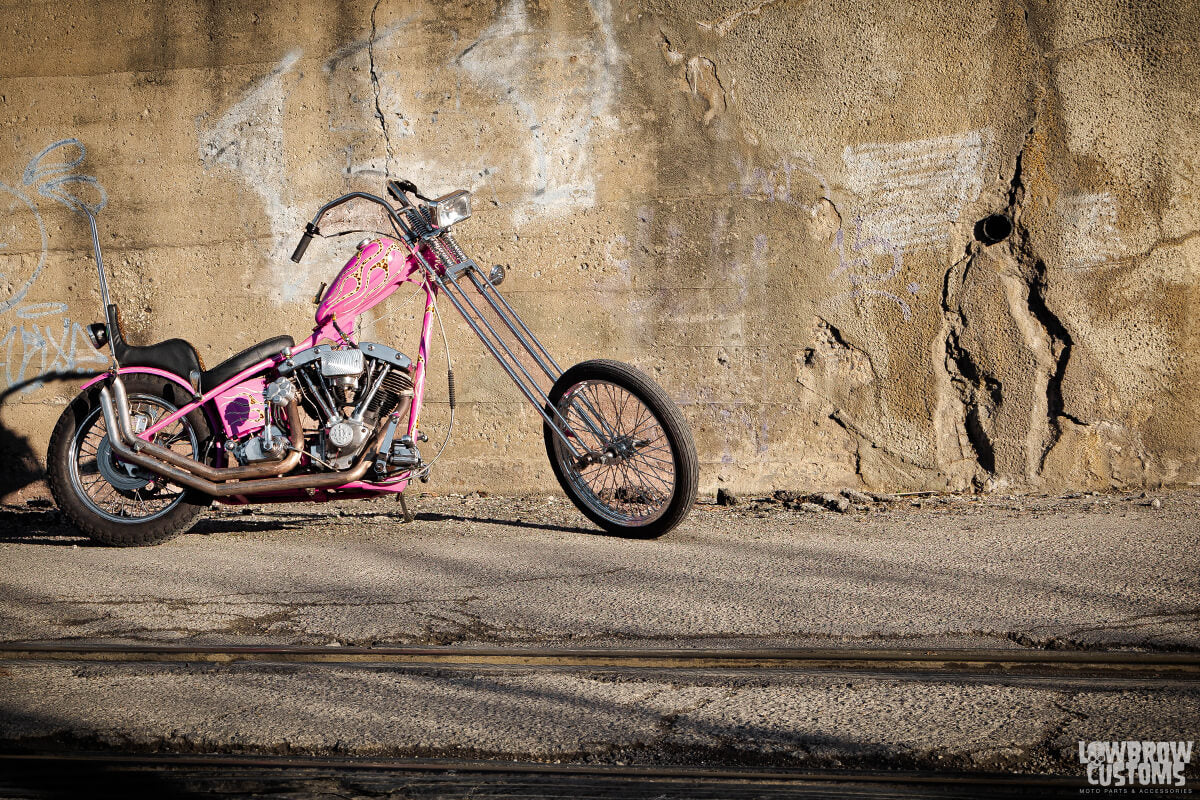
(265, 469)
(232, 488)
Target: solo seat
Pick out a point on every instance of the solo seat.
(174, 355)
(247, 358)
(179, 357)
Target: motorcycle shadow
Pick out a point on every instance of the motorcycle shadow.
(433, 516)
(48, 527)
(210, 525)
(39, 526)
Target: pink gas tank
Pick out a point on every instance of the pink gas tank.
(374, 272)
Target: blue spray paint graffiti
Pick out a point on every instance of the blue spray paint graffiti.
(859, 272)
(43, 338)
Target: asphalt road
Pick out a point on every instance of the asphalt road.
(1087, 571)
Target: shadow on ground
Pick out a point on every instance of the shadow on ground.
(20, 466)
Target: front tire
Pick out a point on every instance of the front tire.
(114, 503)
(641, 479)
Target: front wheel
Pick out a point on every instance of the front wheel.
(635, 469)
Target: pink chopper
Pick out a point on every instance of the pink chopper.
(148, 445)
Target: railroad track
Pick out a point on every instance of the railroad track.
(237, 776)
(1183, 667)
(247, 775)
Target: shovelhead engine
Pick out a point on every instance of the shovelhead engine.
(349, 390)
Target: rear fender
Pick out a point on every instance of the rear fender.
(162, 373)
(213, 423)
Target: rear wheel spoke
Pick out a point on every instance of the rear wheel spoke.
(138, 496)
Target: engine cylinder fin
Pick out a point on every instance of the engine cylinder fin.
(395, 385)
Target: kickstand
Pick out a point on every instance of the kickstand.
(408, 517)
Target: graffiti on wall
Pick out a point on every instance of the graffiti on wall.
(40, 338)
(911, 193)
(870, 239)
(858, 269)
(564, 117)
(249, 139)
(1089, 235)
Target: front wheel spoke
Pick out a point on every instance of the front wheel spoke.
(618, 404)
(650, 420)
(663, 456)
(648, 479)
(639, 479)
(666, 463)
(610, 479)
(631, 498)
(606, 408)
(642, 417)
(623, 413)
(653, 444)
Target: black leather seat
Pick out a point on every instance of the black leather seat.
(174, 355)
(247, 358)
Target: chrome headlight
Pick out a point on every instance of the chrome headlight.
(451, 208)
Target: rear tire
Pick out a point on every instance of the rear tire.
(649, 484)
(117, 504)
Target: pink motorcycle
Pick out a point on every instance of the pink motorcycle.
(146, 447)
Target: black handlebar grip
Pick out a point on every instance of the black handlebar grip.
(396, 188)
(305, 241)
(300, 248)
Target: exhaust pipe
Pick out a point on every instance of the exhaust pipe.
(233, 488)
(261, 470)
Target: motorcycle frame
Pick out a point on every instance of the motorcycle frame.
(428, 256)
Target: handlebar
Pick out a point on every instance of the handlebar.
(311, 228)
(397, 190)
(309, 231)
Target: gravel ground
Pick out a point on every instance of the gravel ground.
(1063, 572)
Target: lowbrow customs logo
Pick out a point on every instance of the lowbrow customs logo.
(1134, 763)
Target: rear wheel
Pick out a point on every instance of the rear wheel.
(113, 502)
(636, 470)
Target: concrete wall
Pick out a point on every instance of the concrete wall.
(768, 206)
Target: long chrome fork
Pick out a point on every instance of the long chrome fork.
(591, 417)
(509, 360)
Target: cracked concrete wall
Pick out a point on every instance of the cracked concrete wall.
(772, 207)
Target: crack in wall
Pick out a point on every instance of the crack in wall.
(387, 139)
(1056, 342)
(980, 394)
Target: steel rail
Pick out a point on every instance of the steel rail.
(429, 765)
(1181, 666)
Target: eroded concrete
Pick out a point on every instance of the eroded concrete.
(769, 206)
